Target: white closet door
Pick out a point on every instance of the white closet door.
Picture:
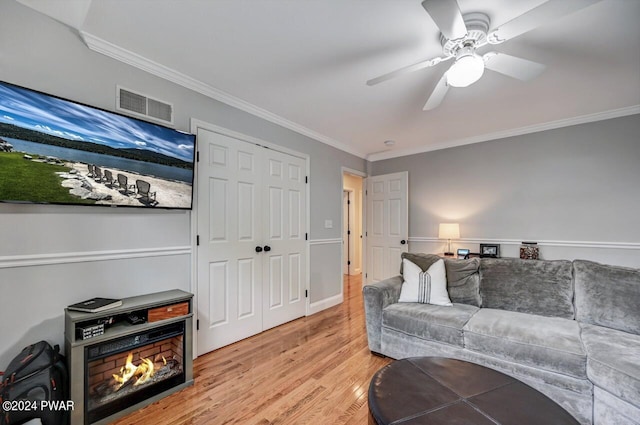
(252, 257)
(387, 224)
(230, 228)
(284, 266)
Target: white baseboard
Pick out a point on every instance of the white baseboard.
(324, 304)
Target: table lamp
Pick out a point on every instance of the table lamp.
(449, 231)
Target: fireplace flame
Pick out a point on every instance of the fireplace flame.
(142, 372)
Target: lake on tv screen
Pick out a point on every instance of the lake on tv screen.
(107, 161)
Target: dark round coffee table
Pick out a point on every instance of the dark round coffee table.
(436, 390)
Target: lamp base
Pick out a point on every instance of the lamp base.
(449, 254)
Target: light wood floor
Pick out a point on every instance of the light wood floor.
(314, 370)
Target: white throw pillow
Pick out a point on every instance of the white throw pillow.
(428, 287)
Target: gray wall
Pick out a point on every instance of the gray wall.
(52, 256)
(576, 190)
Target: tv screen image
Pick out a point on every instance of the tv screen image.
(56, 151)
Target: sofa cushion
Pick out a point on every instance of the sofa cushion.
(607, 295)
(463, 277)
(528, 286)
(613, 361)
(549, 343)
(430, 322)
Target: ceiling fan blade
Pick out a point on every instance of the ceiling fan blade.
(546, 12)
(446, 14)
(437, 94)
(512, 66)
(407, 69)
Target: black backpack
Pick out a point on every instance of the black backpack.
(35, 385)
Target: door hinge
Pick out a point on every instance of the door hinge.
(366, 234)
(306, 236)
(197, 240)
(348, 232)
(306, 293)
(198, 156)
(306, 179)
(348, 263)
(366, 192)
(366, 275)
(348, 202)
(198, 324)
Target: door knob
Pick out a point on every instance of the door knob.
(258, 249)
(267, 248)
(402, 242)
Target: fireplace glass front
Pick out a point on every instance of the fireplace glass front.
(125, 371)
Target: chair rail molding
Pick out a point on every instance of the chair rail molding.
(325, 241)
(27, 260)
(574, 244)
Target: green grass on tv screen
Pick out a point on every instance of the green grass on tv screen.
(30, 181)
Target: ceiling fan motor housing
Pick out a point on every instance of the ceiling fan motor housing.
(477, 28)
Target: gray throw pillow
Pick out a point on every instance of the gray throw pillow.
(463, 280)
(424, 261)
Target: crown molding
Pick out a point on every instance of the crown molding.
(118, 53)
(583, 119)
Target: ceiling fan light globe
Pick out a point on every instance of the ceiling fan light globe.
(465, 71)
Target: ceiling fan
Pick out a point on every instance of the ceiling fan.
(462, 35)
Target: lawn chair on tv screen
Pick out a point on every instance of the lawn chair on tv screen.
(108, 178)
(97, 173)
(123, 183)
(145, 193)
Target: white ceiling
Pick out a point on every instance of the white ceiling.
(304, 64)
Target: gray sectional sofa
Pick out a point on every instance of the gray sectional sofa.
(569, 329)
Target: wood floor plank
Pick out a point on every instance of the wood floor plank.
(309, 371)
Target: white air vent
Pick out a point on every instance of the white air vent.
(143, 106)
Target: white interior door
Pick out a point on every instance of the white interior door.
(285, 223)
(229, 228)
(387, 224)
(252, 257)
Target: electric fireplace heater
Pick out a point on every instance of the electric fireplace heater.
(130, 364)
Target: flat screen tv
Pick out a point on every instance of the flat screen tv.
(55, 151)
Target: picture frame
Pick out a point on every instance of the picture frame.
(489, 250)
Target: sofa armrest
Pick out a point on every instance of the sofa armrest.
(377, 296)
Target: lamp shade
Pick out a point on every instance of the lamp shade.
(449, 231)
